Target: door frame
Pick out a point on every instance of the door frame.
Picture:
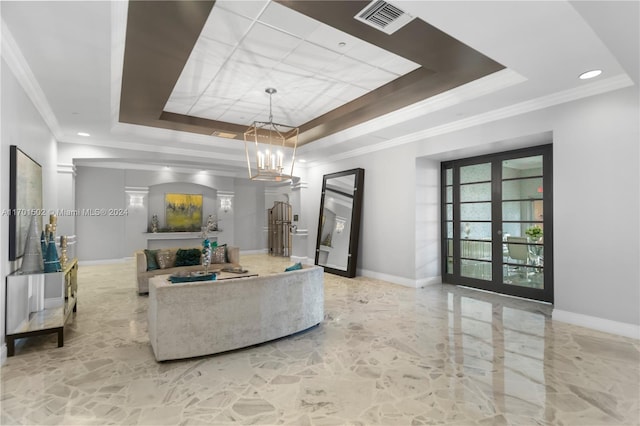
(496, 284)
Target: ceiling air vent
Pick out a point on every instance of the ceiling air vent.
(384, 16)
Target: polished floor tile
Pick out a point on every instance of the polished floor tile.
(385, 354)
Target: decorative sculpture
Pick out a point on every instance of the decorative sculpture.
(206, 255)
(63, 251)
(32, 260)
(51, 261)
(155, 223)
(212, 223)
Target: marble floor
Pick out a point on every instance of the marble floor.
(385, 354)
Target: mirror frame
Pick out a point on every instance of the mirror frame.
(356, 215)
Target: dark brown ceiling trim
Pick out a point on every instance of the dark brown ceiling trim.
(161, 35)
(159, 39)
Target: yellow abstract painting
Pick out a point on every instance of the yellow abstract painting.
(183, 212)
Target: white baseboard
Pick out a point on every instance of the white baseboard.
(104, 261)
(600, 324)
(394, 279)
(259, 251)
(3, 354)
(424, 282)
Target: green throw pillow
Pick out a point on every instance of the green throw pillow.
(294, 267)
(188, 257)
(152, 263)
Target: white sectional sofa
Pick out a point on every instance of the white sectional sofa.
(208, 317)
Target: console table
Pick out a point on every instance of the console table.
(40, 303)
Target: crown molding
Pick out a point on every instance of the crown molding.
(596, 88)
(299, 185)
(20, 68)
(66, 168)
(136, 189)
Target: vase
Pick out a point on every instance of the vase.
(51, 262)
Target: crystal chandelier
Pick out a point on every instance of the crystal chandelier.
(268, 141)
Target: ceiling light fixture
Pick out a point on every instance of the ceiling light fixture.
(83, 134)
(268, 162)
(590, 74)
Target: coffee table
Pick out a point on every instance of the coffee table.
(223, 275)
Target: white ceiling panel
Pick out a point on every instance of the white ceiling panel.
(178, 107)
(225, 26)
(211, 108)
(247, 8)
(375, 78)
(350, 92)
(266, 41)
(396, 64)
(288, 20)
(332, 38)
(348, 70)
(271, 51)
(309, 56)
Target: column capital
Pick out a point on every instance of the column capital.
(67, 168)
(299, 185)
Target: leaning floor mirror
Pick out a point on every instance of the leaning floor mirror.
(339, 222)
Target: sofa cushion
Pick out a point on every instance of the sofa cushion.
(166, 258)
(152, 263)
(188, 257)
(219, 254)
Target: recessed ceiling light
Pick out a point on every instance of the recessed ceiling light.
(342, 44)
(167, 168)
(302, 160)
(590, 74)
(83, 134)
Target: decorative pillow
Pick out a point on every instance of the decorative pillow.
(188, 257)
(219, 254)
(166, 258)
(294, 267)
(152, 263)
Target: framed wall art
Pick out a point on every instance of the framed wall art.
(183, 212)
(25, 198)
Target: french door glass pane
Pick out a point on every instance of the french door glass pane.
(519, 229)
(522, 189)
(449, 214)
(523, 256)
(522, 167)
(475, 211)
(480, 250)
(449, 229)
(475, 269)
(476, 230)
(475, 192)
(449, 196)
(449, 177)
(529, 210)
(475, 173)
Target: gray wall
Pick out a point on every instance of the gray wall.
(96, 187)
(250, 214)
(102, 236)
(21, 125)
(596, 187)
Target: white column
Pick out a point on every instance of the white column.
(137, 207)
(300, 231)
(66, 208)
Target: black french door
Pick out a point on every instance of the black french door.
(497, 222)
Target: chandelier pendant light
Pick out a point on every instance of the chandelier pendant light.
(269, 142)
